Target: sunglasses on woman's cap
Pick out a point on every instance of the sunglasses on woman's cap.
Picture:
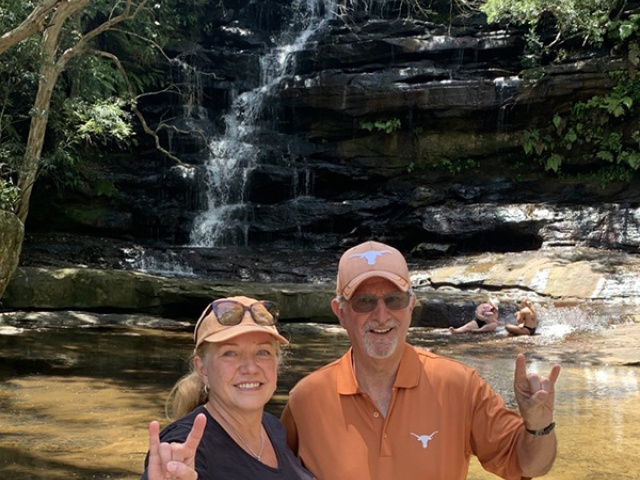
(229, 313)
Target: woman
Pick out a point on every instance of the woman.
(486, 319)
(222, 430)
(526, 319)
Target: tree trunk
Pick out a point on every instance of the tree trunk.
(50, 68)
(39, 119)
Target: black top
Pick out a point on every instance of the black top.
(220, 457)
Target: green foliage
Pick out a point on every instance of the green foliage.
(11, 151)
(627, 28)
(593, 22)
(8, 190)
(586, 18)
(104, 188)
(411, 167)
(101, 121)
(605, 175)
(63, 169)
(456, 166)
(82, 130)
(534, 49)
(596, 131)
(386, 126)
(18, 83)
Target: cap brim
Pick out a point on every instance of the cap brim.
(241, 329)
(352, 286)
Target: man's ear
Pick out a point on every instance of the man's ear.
(337, 311)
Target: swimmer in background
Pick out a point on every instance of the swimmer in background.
(526, 319)
(486, 319)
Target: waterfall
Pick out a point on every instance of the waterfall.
(233, 156)
(505, 87)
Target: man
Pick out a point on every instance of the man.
(389, 411)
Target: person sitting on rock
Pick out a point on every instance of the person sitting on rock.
(486, 319)
(526, 319)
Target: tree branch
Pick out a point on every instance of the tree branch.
(143, 121)
(30, 25)
(82, 43)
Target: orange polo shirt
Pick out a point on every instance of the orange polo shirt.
(441, 413)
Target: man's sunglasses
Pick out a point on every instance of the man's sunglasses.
(231, 312)
(368, 303)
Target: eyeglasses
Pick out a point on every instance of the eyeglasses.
(368, 303)
(231, 312)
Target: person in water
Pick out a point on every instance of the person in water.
(387, 410)
(222, 430)
(486, 319)
(526, 320)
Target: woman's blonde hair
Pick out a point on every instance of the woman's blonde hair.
(188, 392)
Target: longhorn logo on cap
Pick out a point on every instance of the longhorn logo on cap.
(370, 255)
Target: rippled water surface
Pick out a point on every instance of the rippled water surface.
(76, 402)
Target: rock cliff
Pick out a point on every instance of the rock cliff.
(381, 125)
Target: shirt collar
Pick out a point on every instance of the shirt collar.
(408, 373)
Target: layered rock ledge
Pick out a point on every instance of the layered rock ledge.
(604, 282)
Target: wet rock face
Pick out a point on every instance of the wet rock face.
(348, 142)
(599, 289)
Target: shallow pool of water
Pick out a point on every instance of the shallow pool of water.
(75, 402)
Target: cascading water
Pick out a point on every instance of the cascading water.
(557, 323)
(505, 88)
(233, 155)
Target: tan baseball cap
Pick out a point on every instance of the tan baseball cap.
(367, 260)
(209, 329)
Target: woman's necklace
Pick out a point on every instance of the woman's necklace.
(258, 455)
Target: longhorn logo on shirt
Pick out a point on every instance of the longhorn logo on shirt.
(370, 255)
(424, 438)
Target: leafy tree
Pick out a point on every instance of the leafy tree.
(603, 130)
(61, 33)
(70, 71)
(585, 18)
(598, 131)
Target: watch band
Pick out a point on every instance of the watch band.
(543, 431)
